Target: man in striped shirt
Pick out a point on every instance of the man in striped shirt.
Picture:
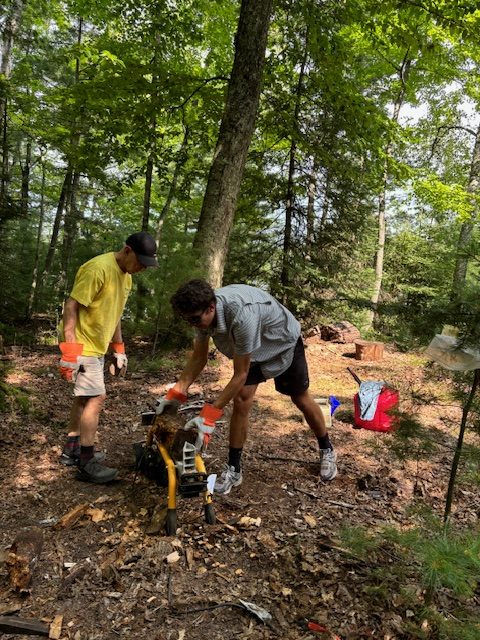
(263, 339)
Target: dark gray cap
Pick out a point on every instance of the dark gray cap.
(145, 248)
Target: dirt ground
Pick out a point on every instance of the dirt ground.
(276, 541)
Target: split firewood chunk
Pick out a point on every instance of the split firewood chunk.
(22, 558)
(72, 517)
(55, 630)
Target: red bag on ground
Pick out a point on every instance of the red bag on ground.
(382, 420)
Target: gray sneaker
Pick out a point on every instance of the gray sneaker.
(229, 478)
(70, 459)
(93, 471)
(328, 464)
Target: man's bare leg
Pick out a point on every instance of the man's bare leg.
(83, 425)
(89, 419)
(76, 416)
(316, 421)
(84, 418)
(312, 412)
(242, 403)
(232, 476)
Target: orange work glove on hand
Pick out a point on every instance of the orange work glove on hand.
(205, 423)
(170, 401)
(69, 364)
(119, 365)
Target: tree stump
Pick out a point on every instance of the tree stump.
(365, 350)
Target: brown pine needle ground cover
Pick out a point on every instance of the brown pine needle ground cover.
(277, 542)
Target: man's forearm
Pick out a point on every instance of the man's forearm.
(194, 367)
(70, 316)
(232, 389)
(192, 370)
(117, 335)
(241, 366)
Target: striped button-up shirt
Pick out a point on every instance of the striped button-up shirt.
(251, 321)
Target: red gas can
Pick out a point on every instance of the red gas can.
(382, 419)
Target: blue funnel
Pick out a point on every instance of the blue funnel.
(334, 404)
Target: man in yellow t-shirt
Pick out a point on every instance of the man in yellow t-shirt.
(92, 322)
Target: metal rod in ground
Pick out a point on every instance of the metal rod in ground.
(354, 376)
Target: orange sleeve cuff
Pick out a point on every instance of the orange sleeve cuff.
(118, 347)
(173, 394)
(211, 414)
(71, 349)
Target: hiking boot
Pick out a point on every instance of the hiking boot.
(93, 471)
(328, 464)
(72, 458)
(229, 478)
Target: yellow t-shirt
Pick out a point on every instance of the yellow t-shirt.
(102, 289)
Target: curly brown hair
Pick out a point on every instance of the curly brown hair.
(194, 295)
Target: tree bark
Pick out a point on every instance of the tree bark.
(236, 130)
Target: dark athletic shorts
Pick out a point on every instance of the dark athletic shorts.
(291, 382)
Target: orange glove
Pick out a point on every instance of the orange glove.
(121, 360)
(205, 423)
(172, 398)
(69, 364)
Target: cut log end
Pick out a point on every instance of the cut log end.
(365, 350)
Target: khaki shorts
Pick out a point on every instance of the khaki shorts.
(90, 379)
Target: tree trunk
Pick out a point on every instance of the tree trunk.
(236, 130)
(32, 298)
(9, 31)
(325, 205)
(377, 286)
(181, 159)
(285, 277)
(66, 186)
(458, 449)
(311, 196)
(147, 193)
(466, 230)
(70, 229)
(5, 163)
(25, 195)
(66, 203)
(142, 290)
(11, 24)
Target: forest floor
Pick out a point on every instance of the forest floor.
(277, 540)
